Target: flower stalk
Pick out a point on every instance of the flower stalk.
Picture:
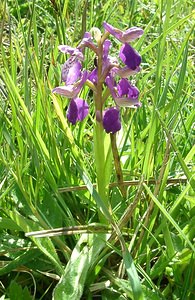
(100, 163)
(99, 138)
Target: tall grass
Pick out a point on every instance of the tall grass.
(47, 170)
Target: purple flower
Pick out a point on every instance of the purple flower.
(123, 93)
(105, 71)
(124, 36)
(71, 90)
(130, 56)
(111, 120)
(77, 110)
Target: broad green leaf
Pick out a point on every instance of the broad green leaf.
(72, 282)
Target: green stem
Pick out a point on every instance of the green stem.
(100, 162)
(99, 139)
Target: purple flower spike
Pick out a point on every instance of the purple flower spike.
(130, 56)
(124, 36)
(77, 110)
(72, 90)
(111, 120)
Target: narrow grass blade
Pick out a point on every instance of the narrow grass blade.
(168, 217)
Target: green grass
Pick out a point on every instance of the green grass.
(147, 252)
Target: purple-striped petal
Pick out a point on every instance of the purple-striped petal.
(127, 102)
(131, 34)
(71, 71)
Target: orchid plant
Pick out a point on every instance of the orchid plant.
(108, 78)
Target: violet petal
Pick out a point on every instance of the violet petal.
(72, 51)
(124, 72)
(87, 41)
(117, 33)
(130, 56)
(71, 90)
(111, 83)
(123, 36)
(93, 76)
(106, 47)
(71, 71)
(131, 34)
(78, 109)
(123, 87)
(127, 102)
(111, 120)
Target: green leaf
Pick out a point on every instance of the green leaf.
(168, 216)
(133, 276)
(72, 282)
(16, 292)
(45, 245)
(21, 260)
(6, 223)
